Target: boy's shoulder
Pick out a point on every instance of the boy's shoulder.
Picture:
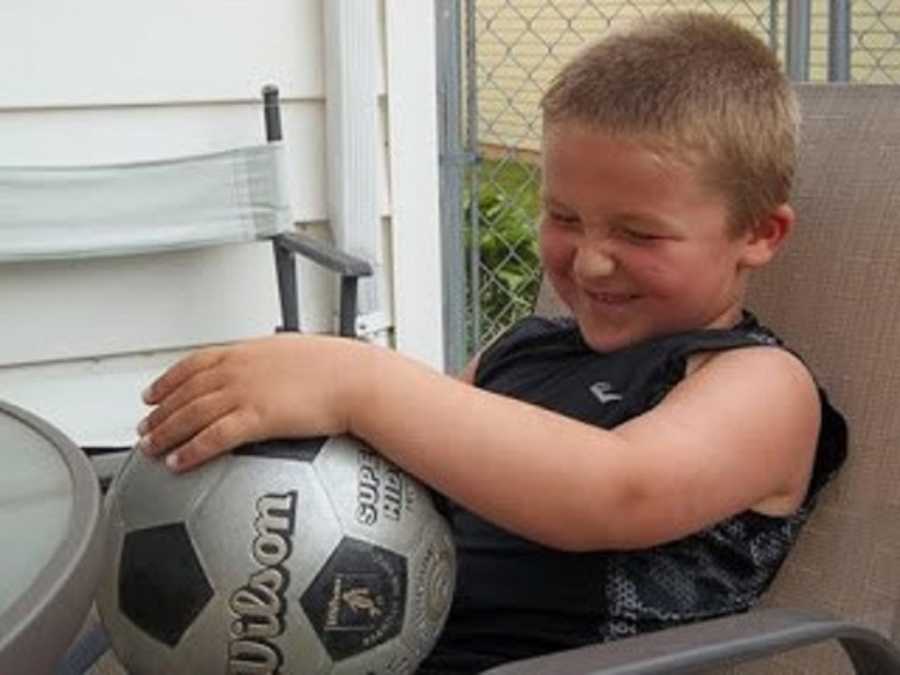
(748, 332)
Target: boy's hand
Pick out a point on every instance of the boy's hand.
(219, 398)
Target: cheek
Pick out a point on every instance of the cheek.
(556, 252)
(556, 256)
(658, 273)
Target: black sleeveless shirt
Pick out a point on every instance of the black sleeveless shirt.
(517, 599)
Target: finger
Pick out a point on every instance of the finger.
(181, 372)
(225, 434)
(186, 422)
(201, 384)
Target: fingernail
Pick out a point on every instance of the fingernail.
(145, 395)
(142, 427)
(143, 444)
(172, 460)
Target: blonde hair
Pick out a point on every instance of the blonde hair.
(699, 89)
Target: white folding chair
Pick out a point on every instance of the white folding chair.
(110, 273)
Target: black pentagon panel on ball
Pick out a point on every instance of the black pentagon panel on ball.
(358, 599)
(162, 587)
(299, 449)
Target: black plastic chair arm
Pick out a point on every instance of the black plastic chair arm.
(350, 269)
(701, 646)
(324, 254)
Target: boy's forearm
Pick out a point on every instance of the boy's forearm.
(499, 457)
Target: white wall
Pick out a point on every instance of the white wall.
(101, 81)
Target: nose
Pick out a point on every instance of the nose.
(593, 260)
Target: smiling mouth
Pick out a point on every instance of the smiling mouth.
(611, 298)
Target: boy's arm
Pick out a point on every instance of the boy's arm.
(737, 434)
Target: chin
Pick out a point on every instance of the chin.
(606, 340)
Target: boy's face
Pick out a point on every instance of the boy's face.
(633, 243)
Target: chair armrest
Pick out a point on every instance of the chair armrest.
(700, 646)
(324, 254)
(349, 267)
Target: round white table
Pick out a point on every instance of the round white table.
(50, 541)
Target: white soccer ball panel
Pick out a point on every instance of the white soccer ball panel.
(239, 527)
(432, 570)
(107, 595)
(217, 643)
(372, 497)
(150, 494)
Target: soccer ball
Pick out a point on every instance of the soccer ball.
(290, 557)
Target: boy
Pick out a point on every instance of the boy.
(645, 463)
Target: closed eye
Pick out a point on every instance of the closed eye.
(562, 217)
(637, 235)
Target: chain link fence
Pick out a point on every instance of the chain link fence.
(875, 34)
(510, 51)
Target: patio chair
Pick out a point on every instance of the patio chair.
(113, 271)
(83, 252)
(833, 296)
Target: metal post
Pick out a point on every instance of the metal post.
(798, 27)
(285, 269)
(472, 148)
(448, 22)
(773, 26)
(839, 33)
(271, 113)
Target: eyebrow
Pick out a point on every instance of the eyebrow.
(638, 219)
(554, 203)
(641, 220)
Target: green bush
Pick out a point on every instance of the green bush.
(508, 209)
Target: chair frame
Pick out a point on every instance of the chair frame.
(286, 245)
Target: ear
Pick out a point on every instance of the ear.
(767, 235)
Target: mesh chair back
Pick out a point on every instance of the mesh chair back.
(833, 296)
